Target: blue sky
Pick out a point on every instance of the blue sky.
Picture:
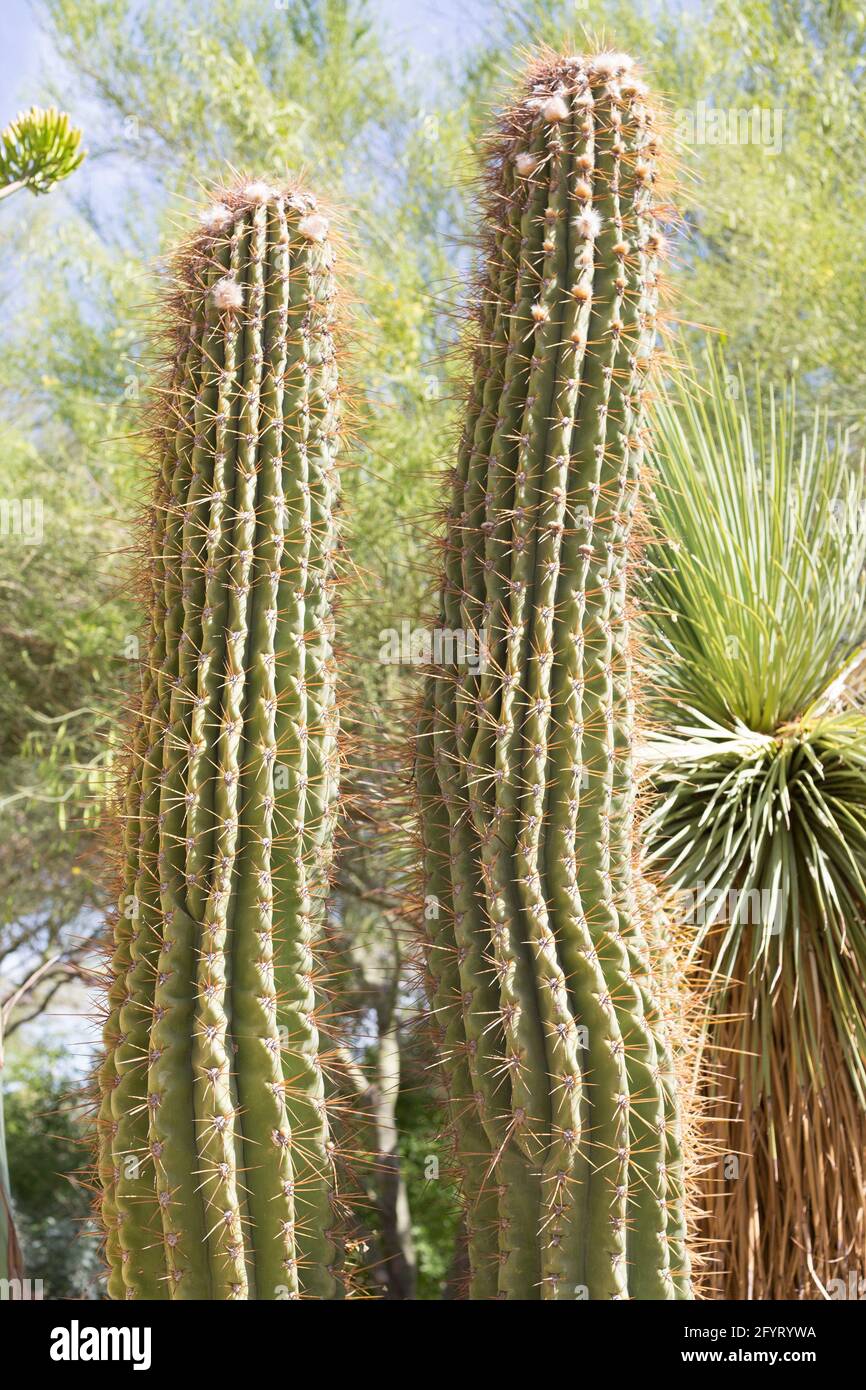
(20, 45)
(427, 31)
(430, 30)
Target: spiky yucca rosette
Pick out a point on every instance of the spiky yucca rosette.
(215, 1146)
(562, 1086)
(755, 602)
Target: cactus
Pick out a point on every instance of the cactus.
(214, 1149)
(563, 1097)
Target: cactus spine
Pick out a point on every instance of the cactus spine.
(563, 1097)
(215, 1152)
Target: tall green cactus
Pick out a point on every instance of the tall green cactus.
(215, 1153)
(562, 1088)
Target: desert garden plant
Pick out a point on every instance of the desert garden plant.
(562, 1089)
(37, 150)
(756, 605)
(216, 1151)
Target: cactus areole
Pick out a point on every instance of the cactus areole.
(215, 1153)
(562, 1093)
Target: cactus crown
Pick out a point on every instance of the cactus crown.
(562, 1085)
(215, 1149)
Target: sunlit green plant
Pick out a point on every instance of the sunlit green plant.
(37, 150)
(755, 601)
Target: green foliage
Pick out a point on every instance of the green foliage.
(46, 1133)
(763, 583)
(768, 126)
(250, 83)
(433, 1199)
(37, 150)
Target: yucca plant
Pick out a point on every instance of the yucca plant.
(755, 602)
(37, 150)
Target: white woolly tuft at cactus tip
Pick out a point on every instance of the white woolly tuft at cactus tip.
(555, 110)
(611, 64)
(215, 217)
(525, 164)
(259, 191)
(227, 294)
(588, 224)
(314, 227)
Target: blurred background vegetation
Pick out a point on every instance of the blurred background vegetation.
(381, 114)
